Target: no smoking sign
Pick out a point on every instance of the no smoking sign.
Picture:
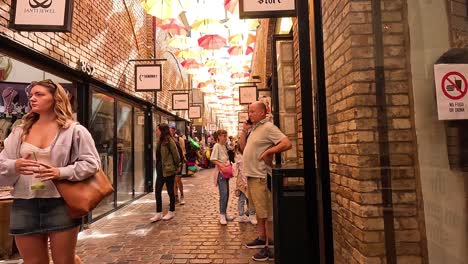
(451, 89)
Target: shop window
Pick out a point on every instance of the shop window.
(101, 127)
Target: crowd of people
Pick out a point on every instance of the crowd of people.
(49, 145)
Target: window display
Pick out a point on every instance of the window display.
(101, 126)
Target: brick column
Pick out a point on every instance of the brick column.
(355, 146)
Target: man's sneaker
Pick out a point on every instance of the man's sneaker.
(262, 255)
(169, 215)
(229, 218)
(256, 243)
(182, 200)
(243, 219)
(156, 217)
(253, 219)
(222, 219)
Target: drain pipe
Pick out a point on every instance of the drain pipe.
(382, 130)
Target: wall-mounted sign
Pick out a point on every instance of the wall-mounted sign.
(86, 67)
(148, 78)
(242, 116)
(212, 127)
(247, 94)
(267, 8)
(197, 96)
(451, 82)
(180, 101)
(194, 112)
(41, 15)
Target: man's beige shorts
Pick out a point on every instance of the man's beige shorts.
(259, 196)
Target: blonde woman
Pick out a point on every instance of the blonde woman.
(47, 146)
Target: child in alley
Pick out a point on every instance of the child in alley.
(241, 191)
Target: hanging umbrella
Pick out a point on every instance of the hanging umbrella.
(239, 75)
(174, 27)
(212, 42)
(236, 39)
(240, 50)
(230, 5)
(190, 64)
(201, 84)
(212, 64)
(181, 42)
(250, 39)
(163, 9)
(187, 54)
(208, 26)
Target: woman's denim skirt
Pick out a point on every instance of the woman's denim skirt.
(40, 216)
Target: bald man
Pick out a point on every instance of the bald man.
(259, 141)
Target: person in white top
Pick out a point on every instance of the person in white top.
(220, 158)
(47, 146)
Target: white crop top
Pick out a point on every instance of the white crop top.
(23, 188)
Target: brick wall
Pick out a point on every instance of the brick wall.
(458, 14)
(105, 33)
(353, 134)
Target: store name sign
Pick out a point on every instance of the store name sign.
(267, 8)
(148, 78)
(41, 15)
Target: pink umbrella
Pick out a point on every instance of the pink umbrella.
(239, 50)
(212, 42)
(174, 27)
(230, 5)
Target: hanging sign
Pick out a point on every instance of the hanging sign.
(180, 101)
(148, 78)
(194, 112)
(451, 89)
(267, 8)
(41, 15)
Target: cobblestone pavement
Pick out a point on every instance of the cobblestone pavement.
(194, 235)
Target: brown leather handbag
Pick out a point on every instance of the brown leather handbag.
(83, 196)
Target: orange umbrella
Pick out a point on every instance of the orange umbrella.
(174, 27)
(212, 42)
(251, 39)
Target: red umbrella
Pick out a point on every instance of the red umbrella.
(239, 50)
(212, 42)
(190, 64)
(230, 5)
(174, 27)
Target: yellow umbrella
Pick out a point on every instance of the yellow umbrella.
(208, 26)
(181, 42)
(187, 54)
(163, 9)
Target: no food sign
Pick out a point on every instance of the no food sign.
(451, 90)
